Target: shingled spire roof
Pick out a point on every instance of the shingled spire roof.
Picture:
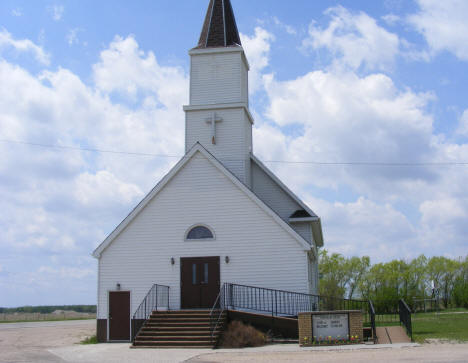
(219, 28)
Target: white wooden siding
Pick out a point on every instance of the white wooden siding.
(304, 229)
(217, 78)
(261, 252)
(272, 194)
(232, 147)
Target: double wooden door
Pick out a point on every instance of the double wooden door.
(200, 280)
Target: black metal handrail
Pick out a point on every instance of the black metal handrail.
(372, 320)
(157, 296)
(284, 303)
(405, 317)
(216, 312)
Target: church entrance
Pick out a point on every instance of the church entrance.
(199, 282)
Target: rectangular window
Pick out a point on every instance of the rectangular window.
(194, 274)
(205, 281)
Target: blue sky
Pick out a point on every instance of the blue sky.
(340, 82)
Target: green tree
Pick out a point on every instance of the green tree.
(443, 271)
(460, 288)
(332, 274)
(355, 269)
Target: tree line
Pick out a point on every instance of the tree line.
(441, 281)
(49, 309)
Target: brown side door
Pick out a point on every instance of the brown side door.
(199, 283)
(119, 315)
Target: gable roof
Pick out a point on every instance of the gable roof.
(316, 222)
(219, 28)
(198, 148)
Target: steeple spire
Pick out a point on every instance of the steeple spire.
(219, 28)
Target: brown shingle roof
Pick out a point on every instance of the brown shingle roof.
(219, 28)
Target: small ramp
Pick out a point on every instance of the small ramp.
(392, 335)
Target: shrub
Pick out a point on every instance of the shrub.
(89, 340)
(239, 335)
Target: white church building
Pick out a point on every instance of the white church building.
(220, 215)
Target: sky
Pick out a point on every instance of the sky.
(363, 102)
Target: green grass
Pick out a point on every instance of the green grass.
(89, 340)
(35, 321)
(447, 326)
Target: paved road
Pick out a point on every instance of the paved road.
(443, 353)
(56, 342)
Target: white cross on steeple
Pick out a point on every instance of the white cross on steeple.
(212, 120)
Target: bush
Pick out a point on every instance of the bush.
(239, 335)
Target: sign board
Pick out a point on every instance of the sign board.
(335, 326)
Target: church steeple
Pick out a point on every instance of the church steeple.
(219, 28)
(218, 115)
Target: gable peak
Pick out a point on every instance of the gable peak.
(219, 28)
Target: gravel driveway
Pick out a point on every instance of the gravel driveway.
(53, 342)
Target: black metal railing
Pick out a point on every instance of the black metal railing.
(372, 321)
(157, 297)
(284, 303)
(405, 317)
(216, 313)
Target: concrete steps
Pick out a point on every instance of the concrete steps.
(392, 335)
(178, 329)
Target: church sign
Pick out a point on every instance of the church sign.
(331, 325)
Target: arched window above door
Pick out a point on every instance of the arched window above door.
(199, 233)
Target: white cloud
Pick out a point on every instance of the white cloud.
(73, 272)
(463, 127)
(363, 226)
(355, 40)
(139, 72)
(17, 12)
(345, 118)
(257, 50)
(56, 11)
(443, 24)
(104, 188)
(23, 45)
(391, 19)
(65, 202)
(72, 36)
(443, 225)
(286, 27)
(56, 107)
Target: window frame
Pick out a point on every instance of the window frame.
(199, 239)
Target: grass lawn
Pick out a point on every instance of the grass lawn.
(451, 325)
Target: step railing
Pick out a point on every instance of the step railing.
(405, 317)
(157, 297)
(372, 321)
(216, 313)
(284, 303)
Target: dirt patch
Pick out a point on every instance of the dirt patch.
(30, 342)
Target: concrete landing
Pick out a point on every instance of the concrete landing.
(392, 335)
